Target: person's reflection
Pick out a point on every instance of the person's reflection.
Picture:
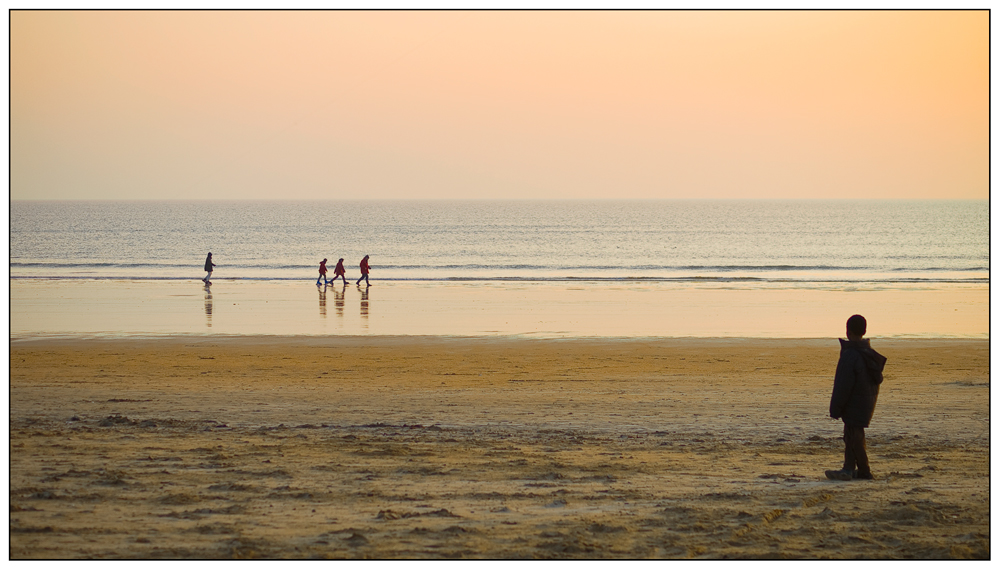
(338, 300)
(208, 305)
(364, 306)
(322, 299)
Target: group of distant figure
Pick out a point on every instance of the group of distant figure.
(338, 271)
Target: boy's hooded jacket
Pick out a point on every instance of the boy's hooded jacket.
(855, 386)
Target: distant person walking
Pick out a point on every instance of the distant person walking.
(339, 271)
(322, 272)
(364, 272)
(208, 267)
(855, 391)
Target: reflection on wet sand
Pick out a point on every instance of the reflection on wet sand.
(43, 307)
(322, 299)
(364, 306)
(208, 305)
(338, 300)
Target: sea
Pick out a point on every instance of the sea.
(756, 243)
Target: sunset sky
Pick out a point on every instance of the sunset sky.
(353, 105)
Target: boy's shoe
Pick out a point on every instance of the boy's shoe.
(864, 476)
(839, 475)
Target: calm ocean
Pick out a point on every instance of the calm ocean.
(770, 243)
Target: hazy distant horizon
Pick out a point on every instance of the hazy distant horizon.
(499, 199)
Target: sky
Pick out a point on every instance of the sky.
(499, 105)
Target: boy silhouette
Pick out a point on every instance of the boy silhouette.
(855, 391)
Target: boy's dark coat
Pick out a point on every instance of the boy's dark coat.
(855, 386)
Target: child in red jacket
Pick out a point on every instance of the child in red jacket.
(364, 272)
(322, 273)
(339, 271)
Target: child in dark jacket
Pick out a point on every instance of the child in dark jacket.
(855, 392)
(208, 267)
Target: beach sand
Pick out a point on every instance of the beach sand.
(436, 447)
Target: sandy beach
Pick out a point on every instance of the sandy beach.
(488, 447)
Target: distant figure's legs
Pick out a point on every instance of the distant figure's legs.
(365, 277)
(207, 277)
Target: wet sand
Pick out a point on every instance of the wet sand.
(122, 308)
(433, 447)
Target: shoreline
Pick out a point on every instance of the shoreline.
(403, 339)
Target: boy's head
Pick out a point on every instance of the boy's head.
(857, 326)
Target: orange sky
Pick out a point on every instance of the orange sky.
(665, 104)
